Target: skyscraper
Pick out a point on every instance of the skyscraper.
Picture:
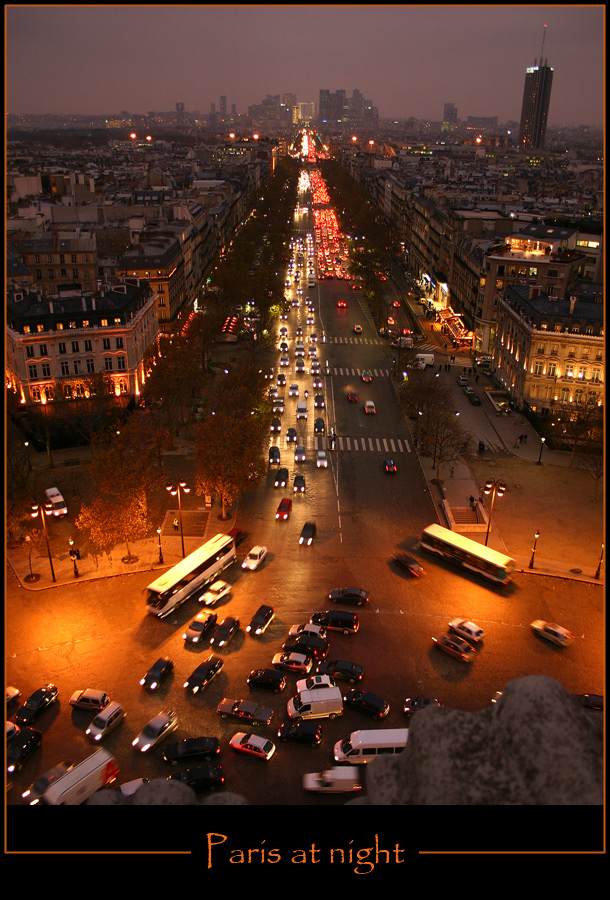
(535, 108)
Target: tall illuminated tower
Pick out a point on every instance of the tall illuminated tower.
(535, 108)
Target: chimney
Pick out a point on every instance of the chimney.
(573, 300)
(50, 306)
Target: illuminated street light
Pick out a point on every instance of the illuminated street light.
(599, 565)
(542, 440)
(492, 487)
(160, 550)
(179, 488)
(536, 536)
(73, 557)
(42, 511)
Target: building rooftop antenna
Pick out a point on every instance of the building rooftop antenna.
(542, 48)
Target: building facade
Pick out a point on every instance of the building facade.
(535, 106)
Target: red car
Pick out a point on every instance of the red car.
(341, 303)
(284, 509)
(353, 398)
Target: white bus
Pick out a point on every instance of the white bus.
(176, 585)
(467, 553)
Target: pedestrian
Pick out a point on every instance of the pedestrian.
(524, 437)
(175, 524)
(440, 368)
(451, 471)
(472, 502)
(518, 442)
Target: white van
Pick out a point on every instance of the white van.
(317, 704)
(363, 746)
(55, 498)
(82, 781)
(301, 409)
(106, 721)
(424, 359)
(333, 781)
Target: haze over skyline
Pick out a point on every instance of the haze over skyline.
(408, 60)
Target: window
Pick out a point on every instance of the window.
(552, 369)
(40, 328)
(582, 371)
(85, 323)
(36, 258)
(65, 368)
(87, 346)
(43, 349)
(119, 343)
(120, 363)
(74, 273)
(106, 343)
(39, 274)
(553, 273)
(63, 273)
(73, 258)
(32, 372)
(570, 370)
(75, 347)
(90, 366)
(60, 327)
(77, 366)
(104, 323)
(46, 370)
(538, 367)
(62, 347)
(62, 258)
(596, 375)
(29, 351)
(108, 363)
(51, 274)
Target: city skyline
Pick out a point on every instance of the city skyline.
(408, 60)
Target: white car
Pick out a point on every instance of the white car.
(552, 632)
(315, 682)
(466, 629)
(337, 780)
(215, 592)
(292, 662)
(254, 558)
(299, 454)
(321, 459)
(158, 728)
(253, 744)
(369, 407)
(309, 628)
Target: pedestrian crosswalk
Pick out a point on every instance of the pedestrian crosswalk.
(350, 373)
(354, 444)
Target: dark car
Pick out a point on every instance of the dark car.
(274, 456)
(308, 533)
(341, 669)
(261, 619)
(303, 731)
(409, 564)
(192, 748)
(308, 644)
(209, 777)
(474, 399)
(270, 679)
(203, 674)
(337, 620)
(355, 595)
(390, 466)
(591, 701)
(352, 397)
(238, 535)
(319, 427)
(157, 672)
(281, 478)
(413, 704)
(203, 624)
(299, 484)
(367, 703)
(227, 629)
(37, 703)
(20, 748)
(246, 710)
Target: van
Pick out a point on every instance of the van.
(106, 721)
(301, 410)
(317, 704)
(424, 359)
(363, 746)
(82, 781)
(90, 698)
(57, 501)
(299, 348)
(332, 781)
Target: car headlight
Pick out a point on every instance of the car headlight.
(184, 636)
(97, 737)
(10, 768)
(153, 686)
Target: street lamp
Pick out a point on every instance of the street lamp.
(160, 550)
(73, 557)
(43, 511)
(542, 440)
(536, 536)
(179, 488)
(599, 565)
(492, 487)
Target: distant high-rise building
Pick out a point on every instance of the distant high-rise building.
(233, 109)
(535, 108)
(450, 114)
(180, 112)
(223, 107)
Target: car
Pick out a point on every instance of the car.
(11, 729)
(89, 699)
(317, 383)
(276, 426)
(227, 629)
(352, 397)
(414, 704)
(253, 744)
(283, 331)
(203, 624)
(302, 731)
(321, 459)
(315, 683)
(190, 749)
(356, 286)
(310, 321)
(203, 674)
(261, 619)
(474, 399)
(314, 367)
(357, 329)
(299, 454)
(308, 533)
(552, 632)
(462, 380)
(299, 367)
(197, 777)
(396, 304)
(299, 484)
(12, 695)
(313, 336)
(281, 478)
(159, 727)
(308, 628)
(273, 391)
(37, 703)
(291, 435)
(591, 701)
(454, 646)
(284, 360)
(319, 427)
(468, 390)
(299, 331)
(20, 747)
(483, 361)
(341, 669)
(367, 377)
(369, 407)
(277, 405)
(465, 629)
(283, 349)
(292, 662)
(356, 595)
(159, 670)
(216, 591)
(274, 456)
(293, 390)
(318, 401)
(106, 721)
(284, 509)
(367, 703)
(336, 620)
(248, 710)
(341, 304)
(409, 564)
(390, 466)
(307, 643)
(270, 679)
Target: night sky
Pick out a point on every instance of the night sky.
(408, 60)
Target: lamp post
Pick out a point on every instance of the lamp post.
(599, 565)
(73, 557)
(160, 550)
(179, 488)
(494, 488)
(536, 536)
(542, 440)
(42, 511)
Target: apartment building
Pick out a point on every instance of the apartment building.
(159, 261)
(55, 260)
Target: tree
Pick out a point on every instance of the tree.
(594, 467)
(110, 520)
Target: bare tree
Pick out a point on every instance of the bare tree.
(594, 467)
